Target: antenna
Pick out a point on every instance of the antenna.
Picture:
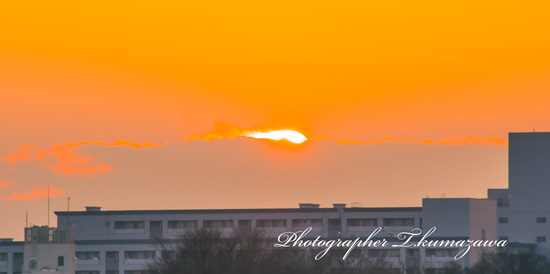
(68, 211)
(26, 218)
(48, 206)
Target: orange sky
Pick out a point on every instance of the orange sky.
(158, 73)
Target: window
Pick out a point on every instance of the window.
(541, 239)
(334, 222)
(130, 225)
(18, 256)
(432, 252)
(307, 222)
(502, 203)
(60, 260)
(88, 255)
(362, 222)
(413, 253)
(245, 224)
(218, 224)
(155, 225)
(541, 220)
(107, 224)
(398, 221)
(503, 220)
(3, 257)
(111, 272)
(271, 223)
(87, 272)
(136, 272)
(111, 254)
(383, 253)
(182, 224)
(139, 255)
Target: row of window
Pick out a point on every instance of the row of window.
(95, 255)
(266, 223)
(539, 239)
(539, 220)
(16, 257)
(413, 253)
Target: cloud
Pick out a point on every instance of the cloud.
(63, 159)
(453, 140)
(5, 184)
(36, 193)
(224, 130)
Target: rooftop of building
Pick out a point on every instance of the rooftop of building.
(304, 207)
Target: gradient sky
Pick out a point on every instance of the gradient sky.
(99, 99)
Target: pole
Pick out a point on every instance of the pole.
(48, 206)
(68, 212)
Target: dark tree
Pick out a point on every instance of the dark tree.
(505, 263)
(206, 251)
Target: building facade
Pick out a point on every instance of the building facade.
(112, 242)
(524, 208)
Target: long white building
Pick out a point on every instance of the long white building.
(110, 242)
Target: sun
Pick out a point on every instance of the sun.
(289, 135)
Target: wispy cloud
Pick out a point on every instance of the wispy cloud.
(35, 193)
(224, 130)
(453, 140)
(62, 158)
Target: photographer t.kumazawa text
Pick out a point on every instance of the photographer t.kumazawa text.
(407, 239)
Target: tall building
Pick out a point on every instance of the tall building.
(524, 207)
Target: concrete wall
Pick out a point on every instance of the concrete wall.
(46, 256)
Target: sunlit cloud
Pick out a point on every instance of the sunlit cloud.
(228, 131)
(223, 131)
(35, 193)
(453, 140)
(5, 184)
(62, 158)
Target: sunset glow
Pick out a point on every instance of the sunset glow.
(289, 135)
